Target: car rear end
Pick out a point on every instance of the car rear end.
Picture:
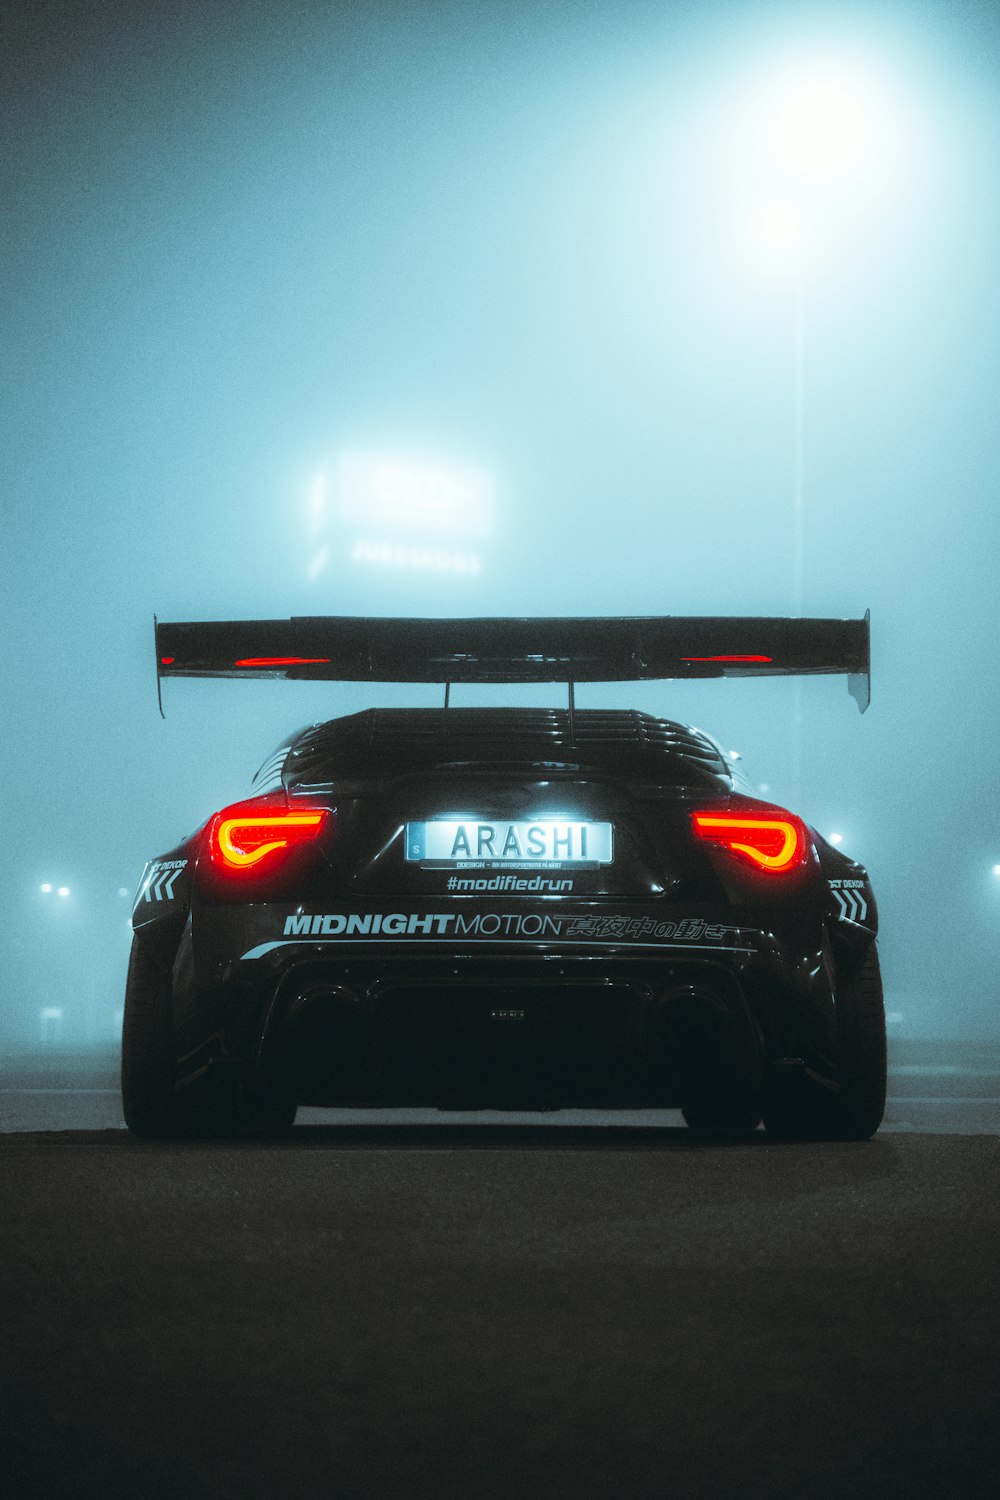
(505, 908)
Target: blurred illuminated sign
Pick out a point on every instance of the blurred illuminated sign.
(393, 513)
(411, 515)
(382, 495)
(399, 555)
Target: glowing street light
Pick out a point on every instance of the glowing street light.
(822, 126)
(816, 128)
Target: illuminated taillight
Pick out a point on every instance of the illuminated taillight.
(259, 835)
(773, 840)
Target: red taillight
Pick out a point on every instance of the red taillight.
(259, 835)
(771, 840)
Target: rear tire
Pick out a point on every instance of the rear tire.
(152, 1106)
(860, 1105)
(148, 1057)
(275, 1113)
(798, 1109)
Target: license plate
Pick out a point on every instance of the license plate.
(546, 841)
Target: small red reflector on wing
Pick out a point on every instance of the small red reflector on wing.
(166, 661)
(776, 843)
(727, 658)
(281, 661)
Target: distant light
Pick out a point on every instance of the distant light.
(780, 229)
(63, 891)
(836, 838)
(46, 887)
(50, 1020)
(764, 787)
(123, 890)
(821, 127)
(996, 870)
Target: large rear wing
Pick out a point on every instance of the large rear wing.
(341, 648)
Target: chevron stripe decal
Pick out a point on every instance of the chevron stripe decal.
(850, 898)
(162, 877)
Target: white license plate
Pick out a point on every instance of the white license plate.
(546, 841)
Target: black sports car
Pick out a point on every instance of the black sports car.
(506, 908)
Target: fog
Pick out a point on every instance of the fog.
(241, 240)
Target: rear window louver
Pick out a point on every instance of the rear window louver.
(269, 774)
(387, 742)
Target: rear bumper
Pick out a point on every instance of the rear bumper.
(589, 1007)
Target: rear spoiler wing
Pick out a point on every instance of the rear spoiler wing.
(343, 648)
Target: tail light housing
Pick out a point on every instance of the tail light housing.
(262, 844)
(768, 839)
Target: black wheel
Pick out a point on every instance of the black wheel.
(150, 1103)
(148, 1058)
(274, 1112)
(796, 1108)
(858, 1109)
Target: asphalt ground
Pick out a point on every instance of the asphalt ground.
(460, 1309)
